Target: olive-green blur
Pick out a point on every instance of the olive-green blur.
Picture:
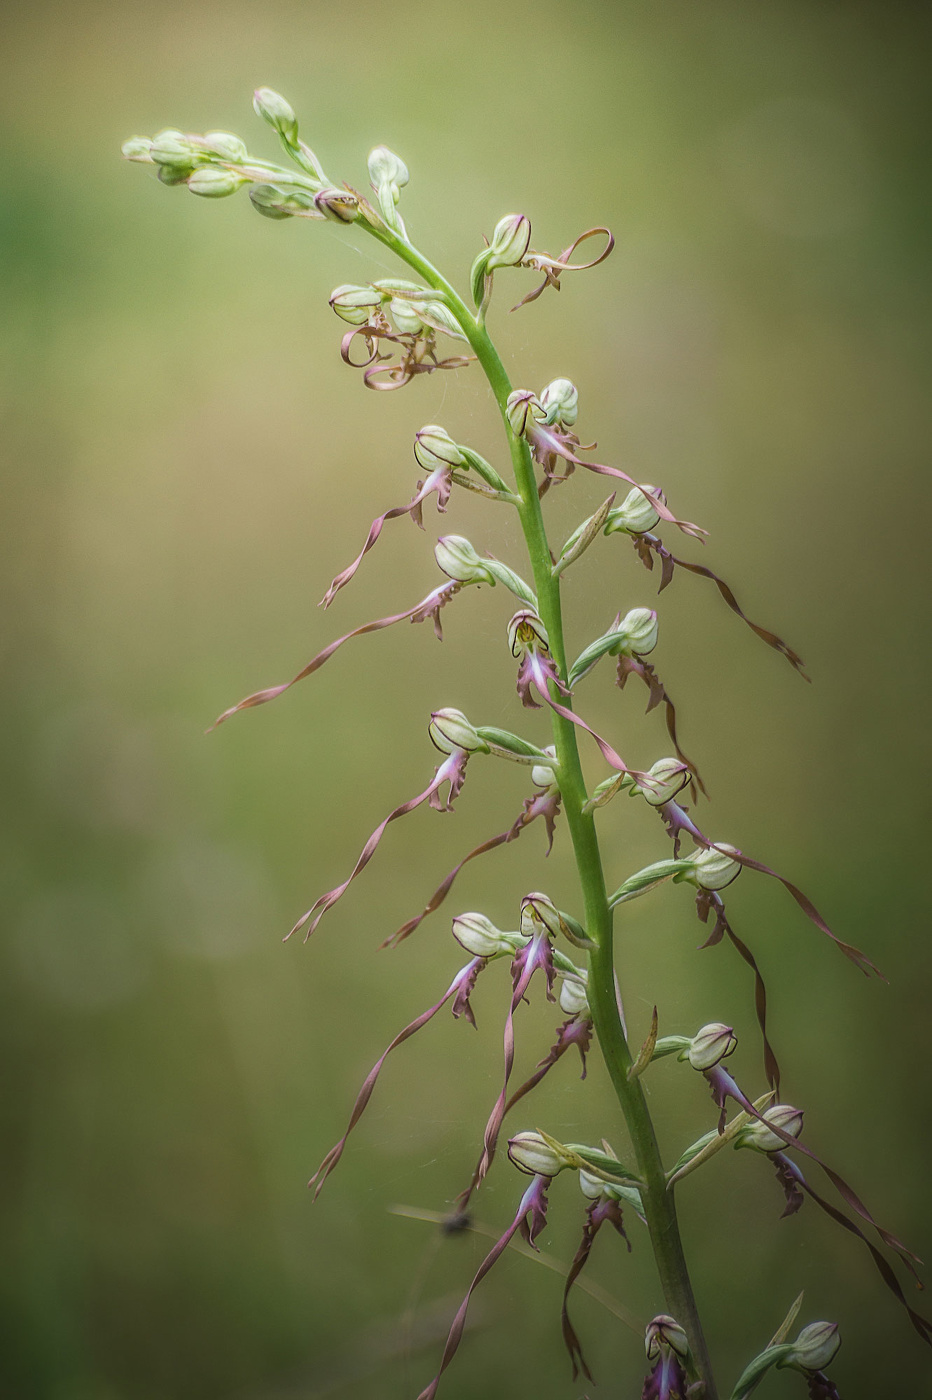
(188, 464)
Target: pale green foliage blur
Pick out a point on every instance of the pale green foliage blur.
(187, 465)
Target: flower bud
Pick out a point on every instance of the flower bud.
(527, 632)
(710, 1045)
(341, 206)
(573, 999)
(815, 1347)
(450, 730)
(173, 150)
(560, 401)
(509, 241)
(757, 1135)
(275, 203)
(440, 318)
(670, 776)
(459, 560)
(225, 145)
(434, 448)
(713, 869)
(385, 168)
(523, 409)
(542, 775)
(138, 148)
(538, 1156)
(636, 514)
(211, 183)
(273, 108)
(538, 911)
(638, 632)
(479, 936)
(353, 304)
(665, 1332)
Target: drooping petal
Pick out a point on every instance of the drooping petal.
(706, 900)
(597, 1213)
(459, 989)
(632, 665)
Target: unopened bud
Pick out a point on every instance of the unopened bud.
(459, 560)
(434, 448)
(479, 936)
(758, 1135)
(450, 730)
(710, 1045)
(538, 911)
(637, 632)
(275, 203)
(352, 303)
(405, 316)
(440, 318)
(573, 999)
(173, 150)
(815, 1347)
(212, 183)
(668, 777)
(509, 241)
(560, 402)
(341, 206)
(138, 148)
(714, 868)
(273, 108)
(225, 145)
(523, 409)
(385, 168)
(538, 1155)
(636, 514)
(542, 774)
(526, 632)
(664, 1333)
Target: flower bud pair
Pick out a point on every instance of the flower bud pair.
(636, 514)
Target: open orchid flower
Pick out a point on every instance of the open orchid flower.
(666, 1345)
(553, 268)
(533, 955)
(530, 1219)
(527, 417)
(527, 637)
(460, 990)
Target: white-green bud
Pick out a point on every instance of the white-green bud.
(386, 170)
(509, 241)
(173, 150)
(710, 1045)
(539, 911)
(669, 777)
(756, 1134)
(440, 318)
(635, 515)
(542, 775)
(459, 561)
(538, 1155)
(434, 448)
(273, 108)
(715, 868)
(211, 183)
(560, 402)
(354, 304)
(341, 206)
(662, 1333)
(523, 409)
(450, 730)
(573, 999)
(225, 145)
(479, 936)
(275, 203)
(138, 148)
(637, 632)
(815, 1347)
(406, 318)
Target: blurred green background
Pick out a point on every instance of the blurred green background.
(187, 465)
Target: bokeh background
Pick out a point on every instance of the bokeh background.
(187, 463)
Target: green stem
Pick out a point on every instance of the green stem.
(659, 1203)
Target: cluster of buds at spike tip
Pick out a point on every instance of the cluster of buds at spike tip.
(710, 1045)
(665, 1344)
